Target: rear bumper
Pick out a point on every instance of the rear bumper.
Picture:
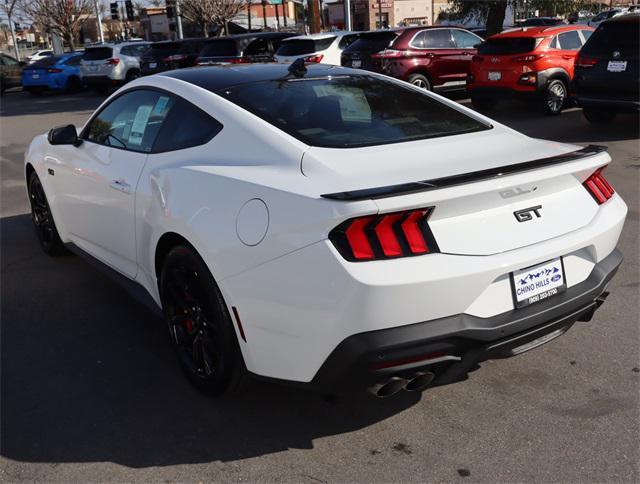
(451, 347)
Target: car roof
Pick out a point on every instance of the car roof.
(631, 17)
(541, 31)
(323, 35)
(215, 78)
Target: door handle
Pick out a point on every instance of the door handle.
(121, 186)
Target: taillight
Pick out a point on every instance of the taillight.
(386, 236)
(244, 60)
(112, 62)
(598, 187)
(583, 61)
(314, 58)
(175, 57)
(527, 58)
(388, 54)
(52, 70)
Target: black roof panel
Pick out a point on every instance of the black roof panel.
(215, 78)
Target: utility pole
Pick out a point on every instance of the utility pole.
(314, 16)
(379, 26)
(249, 15)
(100, 34)
(285, 12)
(264, 13)
(277, 17)
(178, 20)
(347, 15)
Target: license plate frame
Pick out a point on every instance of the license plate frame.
(616, 66)
(153, 65)
(356, 63)
(35, 76)
(494, 75)
(540, 276)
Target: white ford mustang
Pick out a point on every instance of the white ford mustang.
(329, 227)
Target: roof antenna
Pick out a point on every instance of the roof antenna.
(298, 68)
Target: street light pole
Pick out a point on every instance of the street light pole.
(100, 34)
(380, 14)
(347, 15)
(178, 20)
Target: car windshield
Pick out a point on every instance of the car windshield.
(350, 111)
(97, 53)
(46, 62)
(371, 43)
(220, 48)
(304, 46)
(164, 48)
(507, 46)
(614, 36)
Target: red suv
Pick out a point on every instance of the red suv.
(429, 57)
(530, 62)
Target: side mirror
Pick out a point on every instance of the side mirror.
(64, 135)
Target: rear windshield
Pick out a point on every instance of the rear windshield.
(165, 48)
(371, 43)
(507, 46)
(97, 53)
(304, 46)
(219, 48)
(350, 111)
(46, 62)
(614, 36)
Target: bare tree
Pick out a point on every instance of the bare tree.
(211, 12)
(64, 17)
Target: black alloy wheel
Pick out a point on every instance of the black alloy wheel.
(43, 219)
(199, 324)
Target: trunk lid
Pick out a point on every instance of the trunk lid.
(470, 217)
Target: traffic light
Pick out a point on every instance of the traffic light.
(128, 6)
(114, 11)
(171, 8)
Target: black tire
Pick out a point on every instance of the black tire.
(598, 116)
(43, 219)
(36, 91)
(132, 74)
(420, 81)
(73, 84)
(483, 103)
(199, 324)
(554, 97)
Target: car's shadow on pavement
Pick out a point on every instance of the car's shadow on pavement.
(569, 127)
(88, 375)
(21, 103)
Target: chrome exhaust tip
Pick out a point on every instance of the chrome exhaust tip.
(389, 387)
(420, 381)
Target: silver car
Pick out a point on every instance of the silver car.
(107, 65)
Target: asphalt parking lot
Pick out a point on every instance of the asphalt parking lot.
(90, 390)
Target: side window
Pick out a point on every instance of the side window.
(257, 47)
(554, 43)
(464, 40)
(9, 61)
(438, 39)
(131, 122)
(186, 126)
(128, 50)
(418, 41)
(1, 60)
(570, 40)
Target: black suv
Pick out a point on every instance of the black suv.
(170, 54)
(242, 48)
(358, 54)
(606, 78)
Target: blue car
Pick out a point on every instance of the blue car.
(56, 73)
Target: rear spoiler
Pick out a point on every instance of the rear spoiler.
(449, 181)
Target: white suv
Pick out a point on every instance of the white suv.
(107, 65)
(323, 48)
